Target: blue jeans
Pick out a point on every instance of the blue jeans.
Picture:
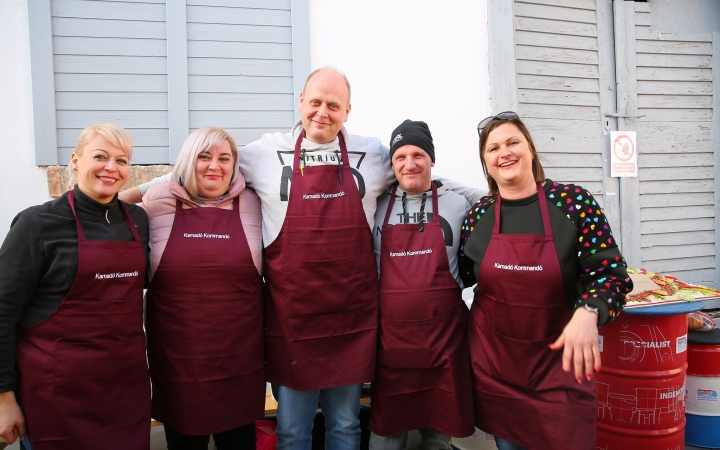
(296, 415)
(25, 444)
(502, 444)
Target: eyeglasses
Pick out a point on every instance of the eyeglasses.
(507, 115)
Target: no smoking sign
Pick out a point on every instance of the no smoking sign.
(623, 155)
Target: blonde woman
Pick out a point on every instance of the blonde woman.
(204, 305)
(72, 273)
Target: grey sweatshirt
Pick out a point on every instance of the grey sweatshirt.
(267, 166)
(453, 208)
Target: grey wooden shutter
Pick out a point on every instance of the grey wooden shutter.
(110, 66)
(565, 87)
(240, 66)
(558, 87)
(161, 70)
(676, 151)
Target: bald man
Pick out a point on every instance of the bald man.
(318, 186)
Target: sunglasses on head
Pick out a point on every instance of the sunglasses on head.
(507, 115)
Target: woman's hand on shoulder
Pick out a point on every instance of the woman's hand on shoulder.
(579, 341)
(12, 421)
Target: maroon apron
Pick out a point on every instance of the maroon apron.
(423, 369)
(82, 375)
(521, 392)
(321, 275)
(205, 325)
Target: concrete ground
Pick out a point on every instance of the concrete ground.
(157, 441)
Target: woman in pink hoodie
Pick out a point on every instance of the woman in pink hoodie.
(204, 305)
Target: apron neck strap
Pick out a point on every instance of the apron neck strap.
(436, 209)
(298, 143)
(343, 149)
(422, 208)
(542, 201)
(236, 204)
(129, 221)
(126, 215)
(390, 205)
(71, 200)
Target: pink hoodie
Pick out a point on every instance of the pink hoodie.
(159, 202)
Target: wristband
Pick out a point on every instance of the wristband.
(591, 308)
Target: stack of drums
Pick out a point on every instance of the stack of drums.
(641, 386)
(703, 385)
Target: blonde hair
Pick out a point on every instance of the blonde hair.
(117, 136)
(201, 140)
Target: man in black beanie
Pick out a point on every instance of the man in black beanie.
(413, 155)
(412, 132)
(423, 377)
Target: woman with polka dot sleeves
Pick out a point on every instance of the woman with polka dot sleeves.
(548, 273)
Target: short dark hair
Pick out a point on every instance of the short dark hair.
(537, 168)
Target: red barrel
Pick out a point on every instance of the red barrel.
(704, 359)
(641, 386)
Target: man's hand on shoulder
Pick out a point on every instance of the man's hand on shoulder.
(471, 194)
(132, 195)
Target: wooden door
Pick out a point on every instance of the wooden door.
(665, 90)
(577, 69)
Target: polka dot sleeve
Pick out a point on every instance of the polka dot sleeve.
(466, 265)
(603, 280)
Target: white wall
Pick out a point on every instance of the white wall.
(411, 59)
(406, 59)
(688, 16)
(22, 183)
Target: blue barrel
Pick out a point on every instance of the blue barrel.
(702, 412)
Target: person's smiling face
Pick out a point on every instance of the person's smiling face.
(214, 170)
(412, 166)
(102, 169)
(508, 158)
(324, 106)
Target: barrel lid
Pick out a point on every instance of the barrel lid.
(666, 310)
(711, 337)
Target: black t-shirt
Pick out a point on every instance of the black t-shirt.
(593, 270)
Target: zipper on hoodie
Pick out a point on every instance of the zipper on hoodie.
(112, 231)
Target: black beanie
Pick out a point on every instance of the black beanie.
(412, 132)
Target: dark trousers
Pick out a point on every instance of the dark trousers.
(240, 438)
